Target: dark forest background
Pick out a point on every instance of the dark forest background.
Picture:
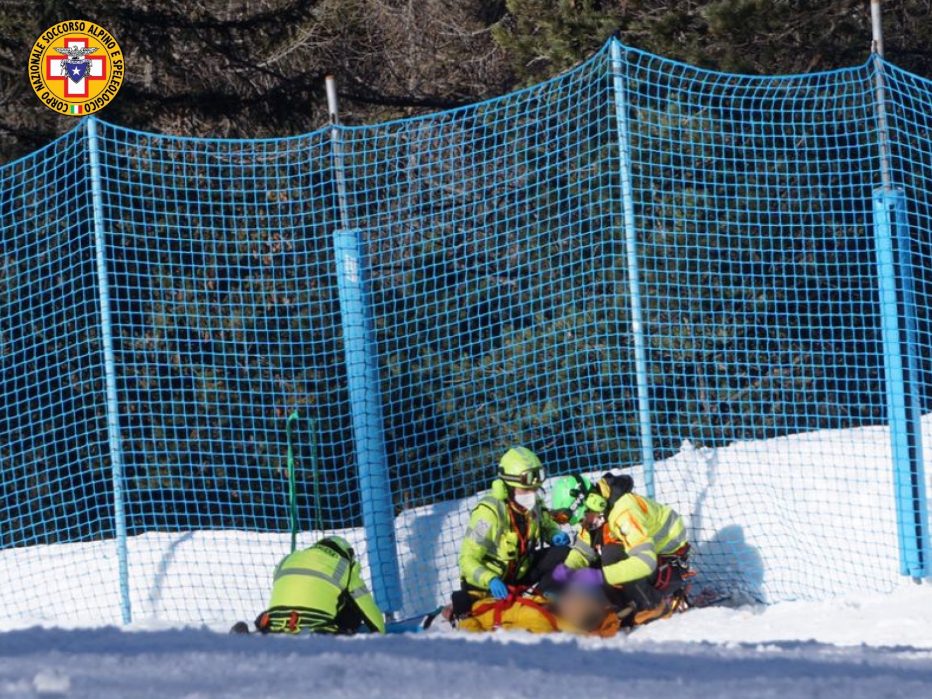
(497, 254)
(253, 68)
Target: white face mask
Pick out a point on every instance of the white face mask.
(526, 500)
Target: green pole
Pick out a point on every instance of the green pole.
(312, 426)
(292, 500)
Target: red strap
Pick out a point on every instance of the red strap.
(497, 607)
(547, 614)
(514, 591)
(497, 614)
(482, 609)
(664, 575)
(665, 566)
(522, 538)
(293, 622)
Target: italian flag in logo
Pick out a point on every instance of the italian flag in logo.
(75, 109)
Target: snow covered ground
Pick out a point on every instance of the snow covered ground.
(800, 517)
(760, 534)
(868, 648)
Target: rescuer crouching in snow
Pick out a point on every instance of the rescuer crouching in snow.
(502, 554)
(320, 590)
(636, 547)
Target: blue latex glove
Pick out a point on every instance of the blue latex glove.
(560, 539)
(498, 589)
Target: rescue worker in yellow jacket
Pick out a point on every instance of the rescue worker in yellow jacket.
(502, 548)
(320, 589)
(638, 544)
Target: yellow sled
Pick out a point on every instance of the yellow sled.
(532, 613)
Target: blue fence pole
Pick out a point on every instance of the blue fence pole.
(362, 374)
(106, 334)
(634, 287)
(900, 351)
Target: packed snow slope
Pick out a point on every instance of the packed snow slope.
(884, 649)
(804, 522)
(800, 517)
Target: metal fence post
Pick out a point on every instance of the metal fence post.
(362, 373)
(106, 334)
(900, 348)
(634, 288)
(900, 339)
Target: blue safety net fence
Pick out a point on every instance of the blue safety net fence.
(638, 264)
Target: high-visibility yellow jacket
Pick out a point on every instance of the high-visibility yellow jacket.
(496, 544)
(316, 583)
(644, 527)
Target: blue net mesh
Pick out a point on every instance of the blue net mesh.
(52, 408)
(753, 201)
(500, 302)
(493, 295)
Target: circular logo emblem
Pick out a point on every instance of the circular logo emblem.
(76, 67)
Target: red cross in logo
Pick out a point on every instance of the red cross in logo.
(54, 69)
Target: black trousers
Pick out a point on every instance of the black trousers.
(347, 621)
(540, 573)
(649, 591)
(349, 618)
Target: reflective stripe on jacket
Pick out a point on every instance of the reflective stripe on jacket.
(585, 552)
(493, 547)
(315, 579)
(647, 529)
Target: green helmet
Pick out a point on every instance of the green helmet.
(566, 498)
(520, 468)
(338, 545)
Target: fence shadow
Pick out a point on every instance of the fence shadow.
(433, 539)
(728, 564)
(158, 580)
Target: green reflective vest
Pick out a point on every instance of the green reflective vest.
(318, 582)
(646, 528)
(495, 547)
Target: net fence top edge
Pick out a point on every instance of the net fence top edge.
(903, 74)
(627, 53)
(681, 65)
(490, 101)
(208, 140)
(50, 146)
